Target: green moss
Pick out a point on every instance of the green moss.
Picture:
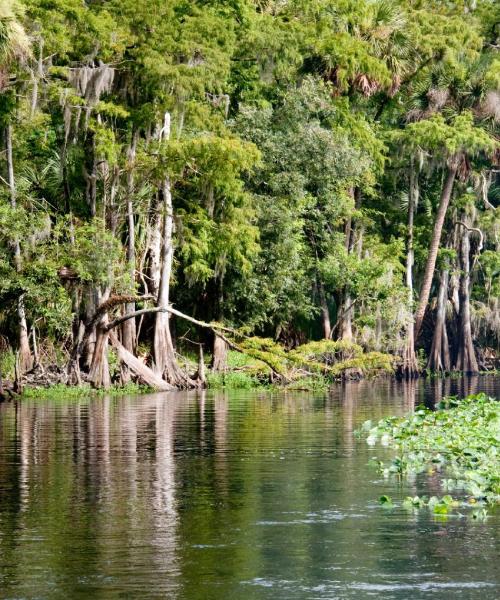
(239, 360)
(327, 351)
(369, 364)
(327, 358)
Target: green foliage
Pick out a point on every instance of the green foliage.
(459, 441)
(93, 252)
(8, 363)
(461, 135)
(232, 381)
(287, 132)
(65, 392)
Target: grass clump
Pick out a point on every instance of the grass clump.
(459, 441)
(60, 391)
(312, 383)
(233, 380)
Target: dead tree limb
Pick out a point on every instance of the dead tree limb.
(143, 372)
(91, 324)
(175, 312)
(215, 327)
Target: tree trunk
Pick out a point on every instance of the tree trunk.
(466, 361)
(346, 319)
(154, 250)
(219, 357)
(91, 304)
(25, 358)
(409, 367)
(325, 313)
(129, 328)
(434, 247)
(165, 362)
(347, 306)
(99, 369)
(164, 353)
(201, 376)
(439, 358)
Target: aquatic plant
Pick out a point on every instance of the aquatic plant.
(460, 441)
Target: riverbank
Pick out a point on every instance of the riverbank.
(234, 380)
(264, 364)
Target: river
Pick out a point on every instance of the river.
(227, 495)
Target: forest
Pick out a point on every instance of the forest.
(309, 185)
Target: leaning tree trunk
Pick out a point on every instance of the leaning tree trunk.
(25, 358)
(142, 372)
(409, 366)
(434, 248)
(466, 361)
(439, 358)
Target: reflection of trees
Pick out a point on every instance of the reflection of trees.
(93, 485)
(440, 387)
(188, 495)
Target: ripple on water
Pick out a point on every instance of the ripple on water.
(234, 496)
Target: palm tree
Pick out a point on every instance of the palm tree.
(463, 89)
(14, 42)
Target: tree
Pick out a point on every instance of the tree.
(454, 141)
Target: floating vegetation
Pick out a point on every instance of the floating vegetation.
(439, 507)
(459, 441)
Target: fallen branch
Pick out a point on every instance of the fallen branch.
(113, 302)
(101, 311)
(173, 311)
(143, 372)
(215, 327)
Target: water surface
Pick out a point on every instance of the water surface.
(238, 495)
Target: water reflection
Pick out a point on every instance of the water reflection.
(227, 495)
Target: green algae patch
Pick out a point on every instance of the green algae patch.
(459, 442)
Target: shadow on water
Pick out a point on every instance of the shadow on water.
(242, 495)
